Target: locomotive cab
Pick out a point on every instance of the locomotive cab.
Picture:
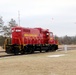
(53, 42)
(16, 35)
(46, 36)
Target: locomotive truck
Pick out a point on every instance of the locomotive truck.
(28, 40)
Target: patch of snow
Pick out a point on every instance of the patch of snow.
(56, 55)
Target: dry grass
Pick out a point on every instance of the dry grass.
(39, 64)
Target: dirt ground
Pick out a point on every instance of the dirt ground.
(40, 64)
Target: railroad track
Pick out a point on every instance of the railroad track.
(4, 55)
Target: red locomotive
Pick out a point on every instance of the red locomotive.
(28, 40)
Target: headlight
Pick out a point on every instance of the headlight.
(12, 30)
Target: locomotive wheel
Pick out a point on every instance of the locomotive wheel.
(8, 49)
(22, 51)
(40, 50)
(53, 48)
(16, 51)
(30, 50)
(47, 50)
(56, 47)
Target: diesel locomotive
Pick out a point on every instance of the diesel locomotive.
(29, 40)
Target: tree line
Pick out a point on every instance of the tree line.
(66, 40)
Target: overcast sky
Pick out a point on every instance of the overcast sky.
(59, 16)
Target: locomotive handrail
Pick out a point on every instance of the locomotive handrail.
(6, 42)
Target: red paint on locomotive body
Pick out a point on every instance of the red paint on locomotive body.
(22, 36)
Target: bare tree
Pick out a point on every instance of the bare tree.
(7, 28)
(12, 23)
(1, 25)
(1, 21)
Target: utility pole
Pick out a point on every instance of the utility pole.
(19, 17)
